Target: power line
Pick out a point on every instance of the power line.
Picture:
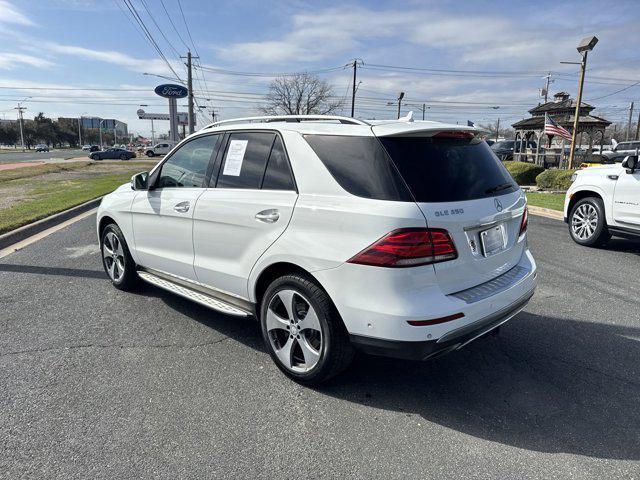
(144, 4)
(270, 74)
(173, 24)
(136, 16)
(614, 93)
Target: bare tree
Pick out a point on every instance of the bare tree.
(300, 94)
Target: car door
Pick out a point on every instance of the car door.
(163, 216)
(249, 207)
(626, 199)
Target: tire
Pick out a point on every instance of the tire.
(124, 157)
(308, 349)
(124, 276)
(587, 222)
(150, 154)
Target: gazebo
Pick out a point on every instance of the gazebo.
(562, 110)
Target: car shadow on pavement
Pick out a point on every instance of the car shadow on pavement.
(545, 384)
(623, 245)
(64, 272)
(242, 329)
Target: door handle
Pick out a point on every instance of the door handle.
(268, 216)
(182, 207)
(612, 177)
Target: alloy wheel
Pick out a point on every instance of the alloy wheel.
(584, 221)
(294, 331)
(113, 255)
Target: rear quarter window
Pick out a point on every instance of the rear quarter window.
(360, 166)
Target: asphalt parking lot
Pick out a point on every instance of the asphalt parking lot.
(99, 383)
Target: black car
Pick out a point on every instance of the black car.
(94, 148)
(504, 150)
(112, 153)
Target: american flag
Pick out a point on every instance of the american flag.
(552, 128)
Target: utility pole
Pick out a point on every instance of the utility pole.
(400, 97)
(546, 87)
(79, 132)
(353, 89)
(497, 129)
(190, 112)
(629, 121)
(424, 109)
(638, 128)
(21, 109)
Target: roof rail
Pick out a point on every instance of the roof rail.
(289, 118)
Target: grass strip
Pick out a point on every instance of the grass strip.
(58, 195)
(554, 201)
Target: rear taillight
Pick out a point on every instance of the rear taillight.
(409, 247)
(524, 222)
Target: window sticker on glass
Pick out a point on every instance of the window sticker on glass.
(235, 156)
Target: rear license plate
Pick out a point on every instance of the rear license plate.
(493, 240)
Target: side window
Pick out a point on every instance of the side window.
(245, 160)
(187, 166)
(278, 175)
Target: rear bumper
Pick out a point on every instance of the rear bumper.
(451, 341)
(378, 304)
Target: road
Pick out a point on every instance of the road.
(30, 156)
(99, 383)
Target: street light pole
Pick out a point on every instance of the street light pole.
(585, 46)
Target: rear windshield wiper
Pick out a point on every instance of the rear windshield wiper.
(497, 188)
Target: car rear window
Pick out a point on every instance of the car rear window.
(446, 169)
(360, 165)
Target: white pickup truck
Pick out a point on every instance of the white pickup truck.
(604, 201)
(159, 149)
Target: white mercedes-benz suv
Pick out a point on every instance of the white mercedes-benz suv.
(604, 201)
(398, 238)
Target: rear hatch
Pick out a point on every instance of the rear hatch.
(462, 187)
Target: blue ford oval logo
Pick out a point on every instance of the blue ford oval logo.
(171, 91)
(498, 204)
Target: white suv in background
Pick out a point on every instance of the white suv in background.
(398, 238)
(604, 201)
(159, 149)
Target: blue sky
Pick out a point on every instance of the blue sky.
(494, 54)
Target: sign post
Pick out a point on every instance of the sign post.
(172, 92)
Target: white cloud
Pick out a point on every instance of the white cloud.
(156, 65)
(10, 14)
(9, 61)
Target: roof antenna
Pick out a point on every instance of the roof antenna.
(407, 118)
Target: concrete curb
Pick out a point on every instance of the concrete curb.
(546, 212)
(19, 234)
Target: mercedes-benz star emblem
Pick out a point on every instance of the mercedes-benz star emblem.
(498, 204)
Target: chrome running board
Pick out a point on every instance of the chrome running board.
(198, 297)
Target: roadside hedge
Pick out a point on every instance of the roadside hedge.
(523, 173)
(554, 179)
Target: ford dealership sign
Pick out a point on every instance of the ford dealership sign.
(171, 91)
